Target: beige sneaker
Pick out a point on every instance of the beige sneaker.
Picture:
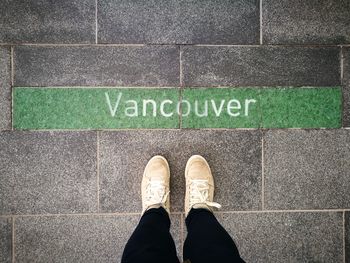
(155, 184)
(199, 185)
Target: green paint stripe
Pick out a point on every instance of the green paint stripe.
(265, 107)
(113, 108)
(221, 108)
(88, 108)
(301, 108)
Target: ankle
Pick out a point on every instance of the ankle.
(156, 206)
(199, 206)
(202, 206)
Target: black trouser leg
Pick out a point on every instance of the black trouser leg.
(151, 240)
(207, 240)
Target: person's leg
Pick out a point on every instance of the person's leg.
(207, 240)
(151, 240)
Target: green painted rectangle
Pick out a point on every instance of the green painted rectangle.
(222, 107)
(92, 108)
(118, 108)
(301, 107)
(264, 107)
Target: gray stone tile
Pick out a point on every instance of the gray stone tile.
(306, 22)
(5, 88)
(72, 238)
(97, 66)
(307, 169)
(286, 237)
(268, 65)
(347, 237)
(5, 240)
(47, 21)
(47, 172)
(346, 105)
(75, 238)
(179, 21)
(176, 228)
(346, 87)
(234, 156)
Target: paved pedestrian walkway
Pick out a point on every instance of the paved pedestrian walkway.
(90, 90)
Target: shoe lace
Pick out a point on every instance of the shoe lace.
(155, 193)
(199, 193)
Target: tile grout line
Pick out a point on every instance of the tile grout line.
(170, 44)
(261, 35)
(98, 169)
(182, 230)
(344, 249)
(82, 214)
(13, 239)
(226, 87)
(96, 24)
(262, 174)
(92, 44)
(12, 67)
(342, 86)
(12, 83)
(284, 211)
(177, 129)
(179, 213)
(180, 108)
(100, 87)
(180, 65)
(181, 88)
(341, 65)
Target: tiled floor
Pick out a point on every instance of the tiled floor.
(74, 195)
